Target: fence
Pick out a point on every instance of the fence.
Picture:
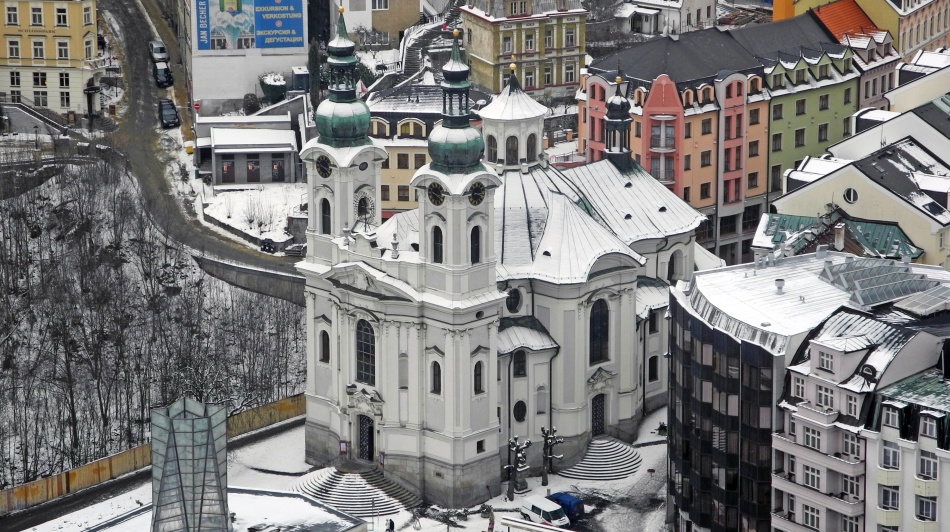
(88, 475)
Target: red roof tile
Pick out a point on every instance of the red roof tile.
(844, 17)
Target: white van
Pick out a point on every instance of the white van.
(537, 509)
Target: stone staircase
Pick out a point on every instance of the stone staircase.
(606, 459)
(363, 492)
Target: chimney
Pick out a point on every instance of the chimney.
(545, 142)
(905, 258)
(570, 134)
(779, 284)
(839, 236)
(395, 244)
(822, 251)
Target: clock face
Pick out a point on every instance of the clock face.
(436, 194)
(323, 166)
(476, 194)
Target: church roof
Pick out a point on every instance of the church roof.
(513, 104)
(576, 216)
(523, 332)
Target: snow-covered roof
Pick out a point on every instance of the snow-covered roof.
(705, 259)
(513, 104)
(930, 390)
(651, 295)
(235, 119)
(244, 139)
(524, 332)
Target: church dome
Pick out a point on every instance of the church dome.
(342, 121)
(456, 148)
(618, 106)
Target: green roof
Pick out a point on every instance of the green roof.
(928, 389)
(879, 239)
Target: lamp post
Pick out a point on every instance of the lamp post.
(36, 138)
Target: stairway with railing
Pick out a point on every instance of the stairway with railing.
(419, 37)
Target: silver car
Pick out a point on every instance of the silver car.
(157, 51)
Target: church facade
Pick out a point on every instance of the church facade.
(506, 302)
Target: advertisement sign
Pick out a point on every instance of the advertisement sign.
(242, 24)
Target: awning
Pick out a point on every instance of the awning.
(203, 142)
(645, 10)
(257, 149)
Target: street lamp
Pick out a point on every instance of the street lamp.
(36, 138)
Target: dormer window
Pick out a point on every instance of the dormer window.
(799, 390)
(890, 417)
(799, 77)
(826, 361)
(778, 81)
(823, 72)
(928, 427)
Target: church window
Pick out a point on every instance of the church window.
(653, 369)
(436, 378)
(365, 353)
(325, 216)
(599, 332)
(520, 411)
(492, 146)
(324, 347)
(479, 386)
(532, 147)
(521, 364)
(437, 245)
(511, 150)
(476, 244)
(513, 301)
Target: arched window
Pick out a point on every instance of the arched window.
(521, 364)
(324, 347)
(436, 379)
(511, 150)
(599, 332)
(479, 386)
(362, 208)
(541, 399)
(365, 353)
(532, 147)
(492, 149)
(437, 245)
(653, 369)
(476, 246)
(325, 216)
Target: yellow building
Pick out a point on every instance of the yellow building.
(915, 24)
(377, 23)
(50, 53)
(547, 46)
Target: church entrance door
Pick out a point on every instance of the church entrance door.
(366, 438)
(597, 415)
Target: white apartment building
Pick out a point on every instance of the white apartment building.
(823, 478)
(907, 448)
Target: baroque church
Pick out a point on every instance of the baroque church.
(516, 296)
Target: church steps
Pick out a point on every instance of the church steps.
(363, 494)
(606, 459)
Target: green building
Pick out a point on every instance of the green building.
(813, 88)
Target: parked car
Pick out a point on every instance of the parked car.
(157, 51)
(167, 114)
(163, 75)
(268, 246)
(537, 509)
(573, 507)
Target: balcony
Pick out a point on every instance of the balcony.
(838, 502)
(786, 521)
(889, 477)
(843, 464)
(926, 487)
(925, 526)
(888, 517)
(662, 144)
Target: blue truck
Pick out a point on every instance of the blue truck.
(573, 507)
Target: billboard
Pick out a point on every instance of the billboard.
(242, 24)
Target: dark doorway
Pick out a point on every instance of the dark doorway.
(597, 415)
(366, 438)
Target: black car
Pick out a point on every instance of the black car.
(163, 75)
(167, 114)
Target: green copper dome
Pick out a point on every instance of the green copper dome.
(455, 149)
(455, 146)
(342, 120)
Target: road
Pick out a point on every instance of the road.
(139, 137)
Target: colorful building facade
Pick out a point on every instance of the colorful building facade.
(50, 54)
(546, 45)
